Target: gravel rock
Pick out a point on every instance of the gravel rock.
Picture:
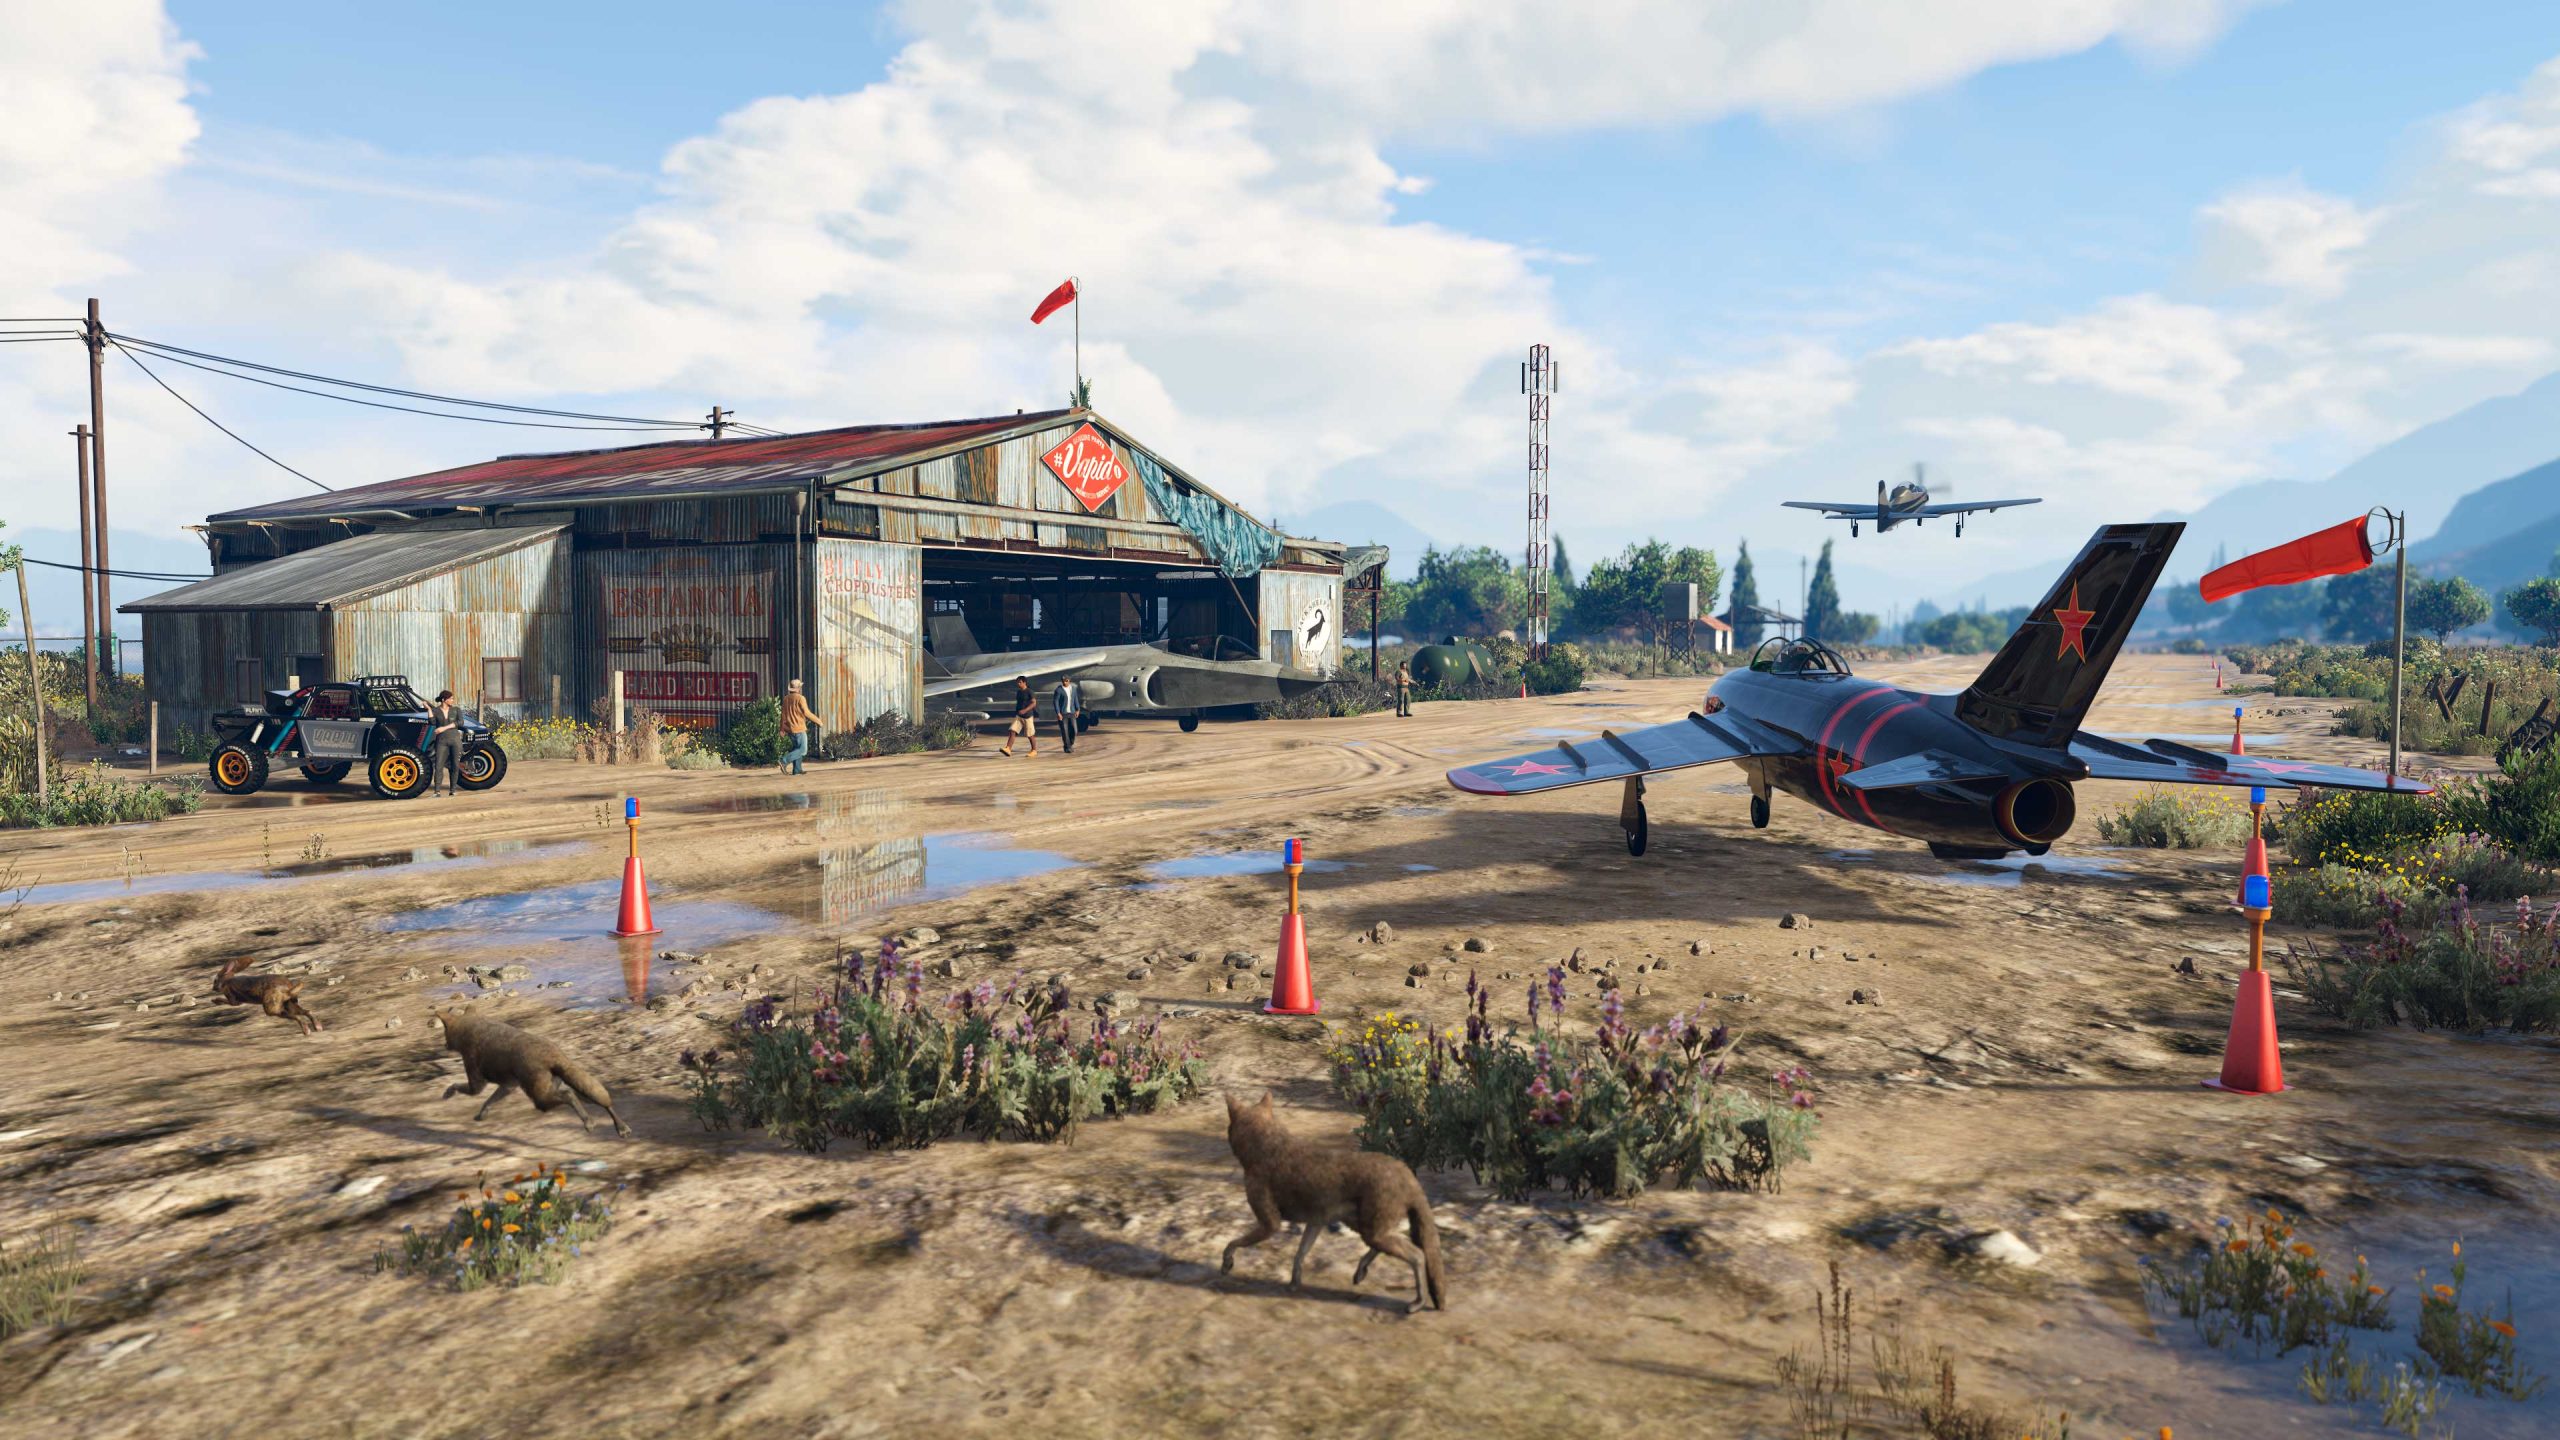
(1697, 947)
(1478, 945)
(1417, 968)
(413, 973)
(2001, 1247)
(1140, 972)
(1865, 997)
(1240, 960)
(1796, 920)
(1115, 1002)
(921, 935)
(1381, 933)
(947, 967)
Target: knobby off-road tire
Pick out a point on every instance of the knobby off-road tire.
(238, 769)
(399, 773)
(329, 774)
(483, 766)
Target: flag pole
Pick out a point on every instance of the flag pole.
(2399, 628)
(1079, 323)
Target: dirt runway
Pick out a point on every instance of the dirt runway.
(2024, 1057)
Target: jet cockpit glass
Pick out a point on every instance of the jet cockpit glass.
(1806, 657)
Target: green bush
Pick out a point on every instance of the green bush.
(2356, 827)
(38, 1277)
(94, 795)
(523, 1232)
(2519, 809)
(1608, 1115)
(195, 745)
(547, 738)
(752, 735)
(2167, 818)
(877, 1063)
(2353, 889)
(1561, 672)
(891, 733)
(2456, 974)
(2268, 1288)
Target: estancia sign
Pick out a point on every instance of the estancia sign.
(1083, 462)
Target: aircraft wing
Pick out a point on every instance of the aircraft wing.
(1858, 508)
(1929, 767)
(1956, 507)
(2166, 762)
(1036, 667)
(1698, 740)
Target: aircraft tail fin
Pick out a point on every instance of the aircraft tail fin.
(2042, 682)
(950, 637)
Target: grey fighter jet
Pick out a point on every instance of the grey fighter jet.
(1134, 679)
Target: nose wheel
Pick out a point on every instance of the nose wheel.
(1631, 816)
(1636, 834)
(1759, 812)
(1853, 529)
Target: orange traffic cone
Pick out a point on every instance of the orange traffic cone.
(2251, 1063)
(2254, 863)
(1524, 689)
(1293, 988)
(634, 919)
(2217, 674)
(2236, 747)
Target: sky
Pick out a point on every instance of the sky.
(2124, 254)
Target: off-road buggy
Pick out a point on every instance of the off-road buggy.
(375, 721)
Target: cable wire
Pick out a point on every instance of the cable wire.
(168, 351)
(209, 420)
(405, 409)
(119, 574)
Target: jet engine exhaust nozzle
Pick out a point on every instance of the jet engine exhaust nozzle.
(2035, 812)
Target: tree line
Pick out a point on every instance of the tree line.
(1474, 590)
(2356, 609)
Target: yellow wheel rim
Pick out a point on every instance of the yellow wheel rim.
(235, 768)
(399, 772)
(476, 766)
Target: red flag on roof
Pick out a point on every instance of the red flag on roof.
(2334, 551)
(1057, 298)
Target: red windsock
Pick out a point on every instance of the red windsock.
(2335, 551)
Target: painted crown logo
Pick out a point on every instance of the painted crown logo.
(686, 644)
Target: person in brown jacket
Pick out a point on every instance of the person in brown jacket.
(797, 720)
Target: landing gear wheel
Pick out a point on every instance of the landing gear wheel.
(2039, 849)
(1759, 812)
(239, 769)
(1189, 723)
(399, 773)
(1959, 529)
(329, 774)
(483, 766)
(1084, 724)
(1853, 529)
(1636, 837)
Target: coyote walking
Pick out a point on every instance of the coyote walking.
(278, 995)
(493, 1052)
(1311, 1186)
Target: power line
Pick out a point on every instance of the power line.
(119, 574)
(209, 420)
(385, 405)
(172, 351)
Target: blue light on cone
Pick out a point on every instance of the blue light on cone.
(2255, 895)
(2257, 794)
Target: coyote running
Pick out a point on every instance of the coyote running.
(278, 995)
(1313, 1186)
(513, 1059)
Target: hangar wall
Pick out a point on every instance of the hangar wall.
(870, 627)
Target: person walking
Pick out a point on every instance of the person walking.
(797, 721)
(1026, 707)
(444, 741)
(1068, 701)
(1404, 690)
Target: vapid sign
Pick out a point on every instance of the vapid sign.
(1084, 463)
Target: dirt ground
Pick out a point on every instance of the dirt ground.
(2027, 1060)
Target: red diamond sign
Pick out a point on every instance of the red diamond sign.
(1083, 462)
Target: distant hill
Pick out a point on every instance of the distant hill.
(2498, 535)
(1364, 522)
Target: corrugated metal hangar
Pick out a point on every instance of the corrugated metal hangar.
(712, 572)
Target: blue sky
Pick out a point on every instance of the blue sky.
(2161, 247)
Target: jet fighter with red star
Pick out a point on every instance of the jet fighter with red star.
(1977, 774)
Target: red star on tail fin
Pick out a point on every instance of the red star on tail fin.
(2075, 625)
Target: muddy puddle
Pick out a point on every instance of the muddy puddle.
(1556, 732)
(2019, 869)
(1234, 862)
(73, 891)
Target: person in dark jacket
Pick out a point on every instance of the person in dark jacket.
(1069, 703)
(444, 741)
(1026, 711)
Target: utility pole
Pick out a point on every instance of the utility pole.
(1538, 382)
(88, 567)
(97, 338)
(719, 421)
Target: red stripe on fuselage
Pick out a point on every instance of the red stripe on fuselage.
(1822, 750)
(1860, 757)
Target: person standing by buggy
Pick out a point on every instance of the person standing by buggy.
(444, 742)
(797, 720)
(1026, 711)
(1068, 701)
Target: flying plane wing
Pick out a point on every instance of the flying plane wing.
(2166, 762)
(1956, 507)
(1041, 667)
(1698, 740)
(1860, 508)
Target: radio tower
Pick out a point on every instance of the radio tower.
(1538, 382)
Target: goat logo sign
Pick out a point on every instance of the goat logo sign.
(1083, 462)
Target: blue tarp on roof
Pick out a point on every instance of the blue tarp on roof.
(1239, 544)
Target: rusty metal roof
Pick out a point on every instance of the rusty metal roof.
(345, 570)
(656, 471)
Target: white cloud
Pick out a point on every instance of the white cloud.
(2513, 142)
(2486, 352)
(2289, 236)
(96, 114)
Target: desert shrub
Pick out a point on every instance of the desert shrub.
(643, 740)
(877, 1062)
(892, 733)
(1608, 1115)
(190, 743)
(2261, 1285)
(38, 1277)
(94, 795)
(2189, 645)
(752, 734)
(2519, 808)
(1561, 672)
(525, 1231)
(2455, 974)
(1631, 657)
(2167, 818)
(2471, 1347)
(1909, 1384)
(549, 738)
(2354, 826)
(1347, 695)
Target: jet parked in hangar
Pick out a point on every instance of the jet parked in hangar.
(1126, 679)
(1976, 774)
